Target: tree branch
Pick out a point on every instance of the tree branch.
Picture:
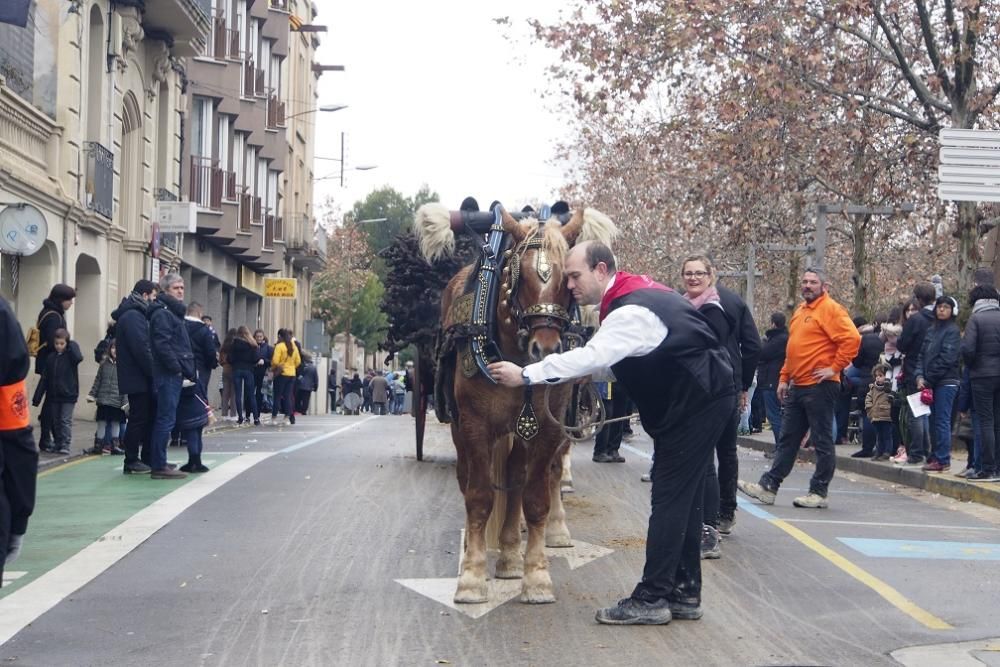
(932, 52)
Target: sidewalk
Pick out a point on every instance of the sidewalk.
(83, 438)
(945, 484)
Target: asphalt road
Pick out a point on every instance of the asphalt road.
(327, 543)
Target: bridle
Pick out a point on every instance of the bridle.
(542, 315)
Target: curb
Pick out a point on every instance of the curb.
(984, 493)
(46, 460)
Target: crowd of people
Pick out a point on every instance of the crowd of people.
(377, 393)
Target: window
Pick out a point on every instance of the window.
(239, 157)
(201, 126)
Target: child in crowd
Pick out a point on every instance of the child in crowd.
(110, 404)
(878, 407)
(60, 386)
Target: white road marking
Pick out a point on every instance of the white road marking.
(958, 654)
(11, 576)
(500, 591)
(26, 604)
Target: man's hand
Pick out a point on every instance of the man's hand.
(506, 374)
(782, 391)
(920, 383)
(823, 374)
(744, 399)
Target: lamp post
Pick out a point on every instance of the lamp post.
(361, 167)
(326, 108)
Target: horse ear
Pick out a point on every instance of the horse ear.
(511, 226)
(571, 229)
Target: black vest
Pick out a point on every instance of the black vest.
(689, 368)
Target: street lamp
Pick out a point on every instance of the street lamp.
(326, 108)
(360, 167)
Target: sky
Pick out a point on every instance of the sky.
(437, 95)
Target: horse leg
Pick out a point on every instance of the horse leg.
(566, 480)
(536, 587)
(510, 565)
(556, 531)
(478, 505)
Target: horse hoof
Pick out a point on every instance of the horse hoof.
(470, 596)
(558, 541)
(537, 597)
(567, 489)
(510, 572)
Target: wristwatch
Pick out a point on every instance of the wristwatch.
(525, 378)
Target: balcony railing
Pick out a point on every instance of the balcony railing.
(246, 211)
(27, 135)
(269, 224)
(249, 77)
(260, 90)
(162, 194)
(100, 178)
(279, 228)
(210, 183)
(225, 40)
(275, 112)
(256, 212)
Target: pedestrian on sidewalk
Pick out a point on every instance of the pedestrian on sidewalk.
(380, 393)
(858, 377)
(284, 363)
(678, 373)
(772, 358)
(104, 392)
(878, 409)
(135, 373)
(307, 384)
(206, 355)
(609, 438)
(192, 417)
(263, 363)
(173, 368)
(227, 402)
(981, 352)
(51, 318)
(822, 340)
(243, 357)
(18, 456)
(919, 316)
(937, 370)
(60, 386)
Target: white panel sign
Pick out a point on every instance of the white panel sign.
(176, 217)
(970, 165)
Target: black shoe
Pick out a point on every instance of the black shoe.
(256, 422)
(291, 420)
(117, 451)
(983, 476)
(635, 612)
(685, 611)
(618, 458)
(862, 454)
(769, 454)
(603, 458)
(136, 468)
(710, 543)
(96, 450)
(199, 467)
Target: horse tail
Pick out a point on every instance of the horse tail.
(432, 225)
(445, 407)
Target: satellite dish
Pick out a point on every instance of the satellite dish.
(23, 229)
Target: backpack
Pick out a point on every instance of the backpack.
(34, 339)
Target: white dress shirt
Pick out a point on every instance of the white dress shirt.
(628, 331)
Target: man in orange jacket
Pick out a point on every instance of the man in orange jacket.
(822, 341)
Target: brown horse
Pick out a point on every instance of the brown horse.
(533, 301)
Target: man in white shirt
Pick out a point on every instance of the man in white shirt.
(671, 363)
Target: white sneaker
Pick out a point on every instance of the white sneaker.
(757, 492)
(811, 500)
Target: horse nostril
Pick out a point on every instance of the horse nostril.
(558, 348)
(535, 350)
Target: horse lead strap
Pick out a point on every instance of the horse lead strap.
(484, 305)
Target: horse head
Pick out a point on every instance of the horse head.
(535, 301)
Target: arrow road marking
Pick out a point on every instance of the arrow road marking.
(500, 591)
(958, 654)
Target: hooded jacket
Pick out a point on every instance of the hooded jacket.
(135, 359)
(60, 381)
(938, 362)
(911, 341)
(51, 318)
(772, 358)
(168, 335)
(981, 344)
(744, 336)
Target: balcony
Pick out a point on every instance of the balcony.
(269, 226)
(187, 21)
(210, 184)
(246, 212)
(100, 178)
(307, 252)
(226, 41)
(249, 77)
(275, 113)
(279, 229)
(280, 5)
(260, 90)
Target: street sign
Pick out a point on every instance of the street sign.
(969, 165)
(279, 288)
(176, 217)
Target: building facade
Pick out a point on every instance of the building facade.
(108, 108)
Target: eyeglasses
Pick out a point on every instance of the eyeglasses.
(695, 274)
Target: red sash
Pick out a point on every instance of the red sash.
(626, 283)
(14, 407)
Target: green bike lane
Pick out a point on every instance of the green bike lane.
(78, 504)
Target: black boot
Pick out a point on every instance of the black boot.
(198, 465)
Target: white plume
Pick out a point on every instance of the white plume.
(597, 227)
(432, 225)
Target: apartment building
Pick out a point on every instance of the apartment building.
(248, 156)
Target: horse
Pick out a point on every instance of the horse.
(531, 316)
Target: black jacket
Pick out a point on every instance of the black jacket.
(14, 360)
(981, 344)
(938, 362)
(868, 352)
(724, 326)
(309, 380)
(169, 337)
(911, 341)
(241, 355)
(772, 358)
(135, 359)
(60, 381)
(746, 337)
(48, 324)
(202, 345)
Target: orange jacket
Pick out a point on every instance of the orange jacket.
(820, 335)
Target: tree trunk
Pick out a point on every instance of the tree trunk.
(968, 246)
(859, 265)
(794, 275)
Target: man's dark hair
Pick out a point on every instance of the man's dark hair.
(596, 252)
(61, 334)
(924, 293)
(778, 320)
(984, 277)
(144, 287)
(61, 293)
(818, 272)
(206, 317)
(982, 292)
(194, 307)
(859, 321)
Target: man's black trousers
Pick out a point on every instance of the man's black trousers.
(18, 474)
(141, 411)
